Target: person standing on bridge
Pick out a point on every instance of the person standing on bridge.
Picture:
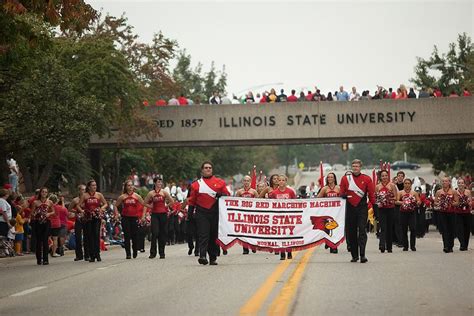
(331, 189)
(130, 216)
(408, 200)
(247, 192)
(203, 201)
(357, 187)
(446, 199)
(161, 199)
(463, 214)
(385, 193)
(283, 192)
(93, 205)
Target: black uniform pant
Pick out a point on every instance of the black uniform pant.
(207, 224)
(447, 221)
(463, 225)
(93, 237)
(356, 223)
(41, 232)
(397, 228)
(408, 219)
(159, 223)
(80, 231)
(130, 232)
(385, 216)
(191, 233)
(173, 229)
(142, 231)
(421, 222)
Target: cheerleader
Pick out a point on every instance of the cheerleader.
(283, 192)
(463, 214)
(247, 192)
(130, 217)
(274, 183)
(159, 198)
(42, 209)
(331, 189)
(408, 200)
(445, 200)
(385, 193)
(92, 206)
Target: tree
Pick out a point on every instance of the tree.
(453, 67)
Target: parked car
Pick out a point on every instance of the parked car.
(397, 165)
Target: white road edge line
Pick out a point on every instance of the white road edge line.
(103, 268)
(25, 292)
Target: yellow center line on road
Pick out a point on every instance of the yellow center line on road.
(254, 304)
(281, 304)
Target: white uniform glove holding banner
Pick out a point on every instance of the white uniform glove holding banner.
(277, 225)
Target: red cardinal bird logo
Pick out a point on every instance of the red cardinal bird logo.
(324, 223)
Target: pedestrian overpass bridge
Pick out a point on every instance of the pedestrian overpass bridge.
(304, 123)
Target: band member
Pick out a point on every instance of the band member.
(79, 227)
(203, 198)
(408, 200)
(42, 209)
(191, 227)
(273, 185)
(283, 192)
(161, 200)
(331, 189)
(446, 199)
(357, 187)
(92, 204)
(131, 204)
(385, 193)
(397, 228)
(247, 192)
(463, 214)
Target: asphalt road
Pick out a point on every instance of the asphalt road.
(315, 282)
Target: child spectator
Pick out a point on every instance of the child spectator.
(11, 237)
(19, 233)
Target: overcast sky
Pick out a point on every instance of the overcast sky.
(303, 43)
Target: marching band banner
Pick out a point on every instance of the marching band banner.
(269, 225)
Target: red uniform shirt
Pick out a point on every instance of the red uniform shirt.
(203, 192)
(91, 204)
(159, 206)
(63, 213)
(292, 98)
(356, 187)
(278, 194)
(446, 202)
(385, 197)
(331, 193)
(130, 206)
(464, 206)
(248, 194)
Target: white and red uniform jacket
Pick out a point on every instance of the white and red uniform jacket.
(204, 191)
(356, 187)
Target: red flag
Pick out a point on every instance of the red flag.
(260, 176)
(321, 175)
(253, 184)
(374, 177)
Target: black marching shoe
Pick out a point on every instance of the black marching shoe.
(45, 263)
(463, 249)
(245, 251)
(445, 250)
(290, 255)
(382, 249)
(363, 259)
(152, 256)
(135, 254)
(405, 248)
(224, 252)
(282, 256)
(87, 258)
(91, 259)
(98, 258)
(203, 261)
(389, 250)
(190, 251)
(333, 250)
(78, 259)
(128, 257)
(39, 262)
(255, 250)
(413, 248)
(354, 259)
(213, 263)
(196, 254)
(162, 256)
